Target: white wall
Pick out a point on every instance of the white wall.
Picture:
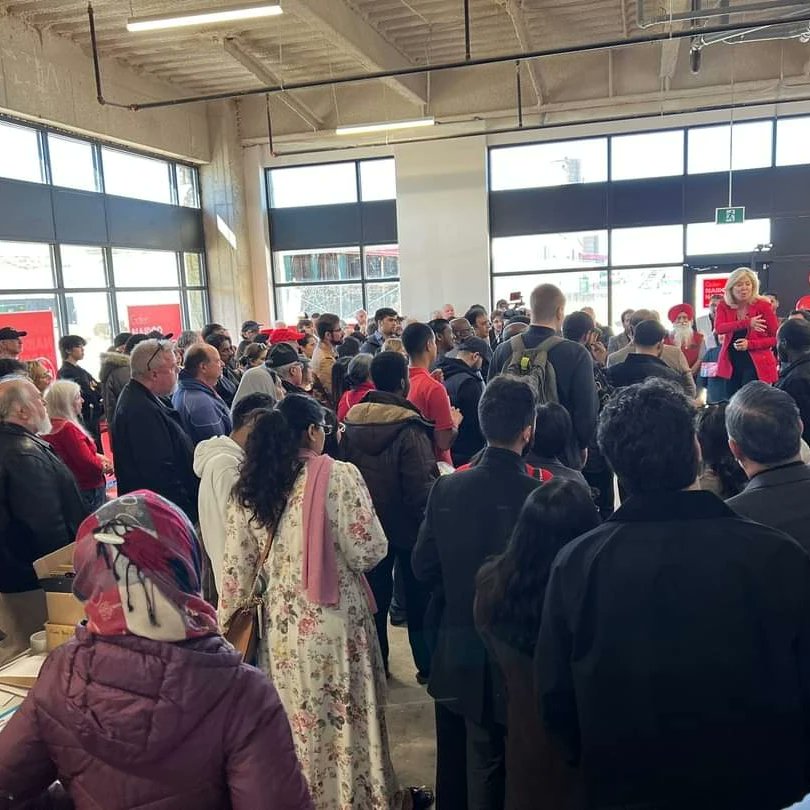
(443, 225)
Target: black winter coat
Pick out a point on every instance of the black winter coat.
(373, 344)
(392, 445)
(639, 367)
(795, 379)
(576, 389)
(40, 506)
(470, 516)
(151, 449)
(673, 662)
(464, 387)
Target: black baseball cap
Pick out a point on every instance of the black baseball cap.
(249, 326)
(474, 345)
(282, 354)
(8, 333)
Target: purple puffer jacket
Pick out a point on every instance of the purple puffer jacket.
(125, 722)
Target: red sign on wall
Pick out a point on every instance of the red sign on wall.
(164, 318)
(40, 340)
(712, 286)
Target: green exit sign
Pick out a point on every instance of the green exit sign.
(731, 216)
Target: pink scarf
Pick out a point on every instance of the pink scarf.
(320, 574)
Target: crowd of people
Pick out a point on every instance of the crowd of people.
(463, 472)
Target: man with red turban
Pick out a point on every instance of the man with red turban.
(685, 336)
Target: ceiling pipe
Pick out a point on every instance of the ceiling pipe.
(421, 69)
(651, 116)
(723, 10)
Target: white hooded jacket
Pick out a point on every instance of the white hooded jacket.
(216, 464)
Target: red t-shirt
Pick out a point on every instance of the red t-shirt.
(78, 451)
(431, 398)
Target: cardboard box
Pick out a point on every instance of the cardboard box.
(55, 574)
(58, 634)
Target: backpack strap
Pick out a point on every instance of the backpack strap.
(518, 350)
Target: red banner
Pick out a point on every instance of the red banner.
(164, 318)
(40, 340)
(712, 286)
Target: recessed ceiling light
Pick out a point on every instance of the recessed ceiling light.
(385, 126)
(157, 22)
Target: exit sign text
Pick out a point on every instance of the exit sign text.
(731, 216)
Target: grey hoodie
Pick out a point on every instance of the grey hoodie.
(216, 464)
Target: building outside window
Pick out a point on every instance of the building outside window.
(96, 289)
(319, 266)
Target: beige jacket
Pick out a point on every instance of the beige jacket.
(671, 355)
(323, 359)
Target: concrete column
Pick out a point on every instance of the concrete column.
(443, 225)
(225, 220)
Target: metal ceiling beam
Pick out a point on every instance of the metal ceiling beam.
(337, 23)
(237, 51)
(515, 11)
(398, 73)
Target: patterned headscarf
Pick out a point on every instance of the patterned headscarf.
(137, 563)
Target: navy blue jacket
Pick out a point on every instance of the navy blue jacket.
(202, 410)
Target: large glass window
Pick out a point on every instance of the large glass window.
(144, 268)
(88, 315)
(709, 147)
(188, 190)
(792, 139)
(556, 251)
(540, 165)
(706, 238)
(648, 154)
(656, 245)
(82, 266)
(20, 157)
(130, 175)
(342, 299)
(325, 184)
(72, 163)
(656, 288)
(378, 180)
(328, 264)
(25, 266)
(313, 278)
(582, 288)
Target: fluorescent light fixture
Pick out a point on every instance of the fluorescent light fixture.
(251, 11)
(388, 125)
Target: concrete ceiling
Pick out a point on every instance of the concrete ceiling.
(320, 39)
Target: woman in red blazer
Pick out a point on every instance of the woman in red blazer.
(746, 324)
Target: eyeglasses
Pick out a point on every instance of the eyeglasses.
(327, 429)
(162, 344)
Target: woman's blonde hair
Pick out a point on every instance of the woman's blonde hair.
(739, 273)
(59, 400)
(394, 345)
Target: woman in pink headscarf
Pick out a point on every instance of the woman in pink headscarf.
(148, 706)
(319, 642)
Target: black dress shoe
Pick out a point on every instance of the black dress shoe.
(421, 678)
(398, 618)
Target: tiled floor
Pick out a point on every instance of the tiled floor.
(410, 717)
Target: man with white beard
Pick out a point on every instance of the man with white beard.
(685, 337)
(40, 510)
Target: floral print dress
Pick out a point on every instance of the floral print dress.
(325, 662)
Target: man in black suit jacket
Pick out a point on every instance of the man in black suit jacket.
(469, 517)
(150, 447)
(765, 432)
(646, 361)
(673, 661)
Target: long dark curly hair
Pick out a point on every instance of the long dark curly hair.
(271, 462)
(511, 587)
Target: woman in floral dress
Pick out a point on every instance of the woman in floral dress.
(319, 643)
